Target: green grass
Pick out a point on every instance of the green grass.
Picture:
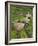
(21, 34)
(15, 12)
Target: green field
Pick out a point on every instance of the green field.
(18, 13)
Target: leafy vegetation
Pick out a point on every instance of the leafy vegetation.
(18, 13)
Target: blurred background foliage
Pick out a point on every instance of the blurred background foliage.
(18, 13)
